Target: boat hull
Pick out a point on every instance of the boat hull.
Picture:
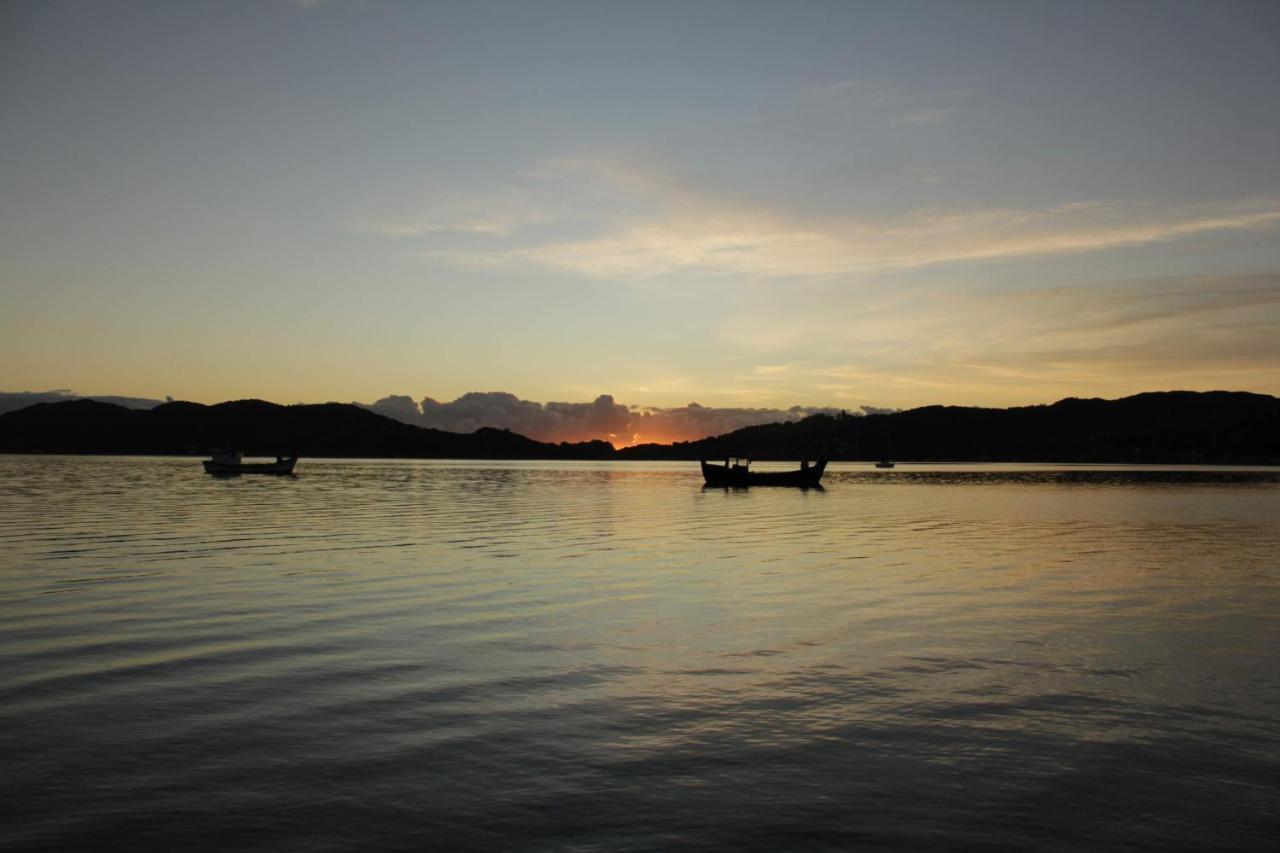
(285, 466)
(719, 475)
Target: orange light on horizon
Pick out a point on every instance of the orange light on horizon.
(619, 441)
(638, 438)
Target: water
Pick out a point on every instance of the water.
(559, 656)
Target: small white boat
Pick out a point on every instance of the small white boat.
(232, 462)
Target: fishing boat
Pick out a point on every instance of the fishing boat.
(735, 473)
(232, 462)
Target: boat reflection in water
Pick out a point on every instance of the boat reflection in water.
(736, 473)
(230, 462)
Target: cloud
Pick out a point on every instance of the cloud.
(919, 118)
(13, 400)
(764, 244)
(602, 418)
(694, 421)
(929, 344)
(605, 219)
(495, 214)
(915, 108)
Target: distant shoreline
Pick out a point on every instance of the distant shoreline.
(902, 466)
(1159, 428)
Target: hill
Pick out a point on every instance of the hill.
(259, 428)
(11, 401)
(1158, 427)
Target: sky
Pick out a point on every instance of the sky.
(744, 205)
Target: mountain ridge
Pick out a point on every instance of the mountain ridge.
(1227, 427)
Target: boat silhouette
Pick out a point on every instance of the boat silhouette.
(232, 462)
(736, 473)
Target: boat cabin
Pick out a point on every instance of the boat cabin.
(742, 463)
(734, 473)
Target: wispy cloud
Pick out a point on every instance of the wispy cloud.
(927, 116)
(920, 346)
(731, 240)
(493, 213)
(895, 103)
(607, 221)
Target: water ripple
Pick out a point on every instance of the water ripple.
(583, 656)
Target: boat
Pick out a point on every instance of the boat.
(232, 462)
(736, 473)
(884, 463)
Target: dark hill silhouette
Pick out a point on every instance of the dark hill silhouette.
(11, 401)
(1173, 426)
(259, 428)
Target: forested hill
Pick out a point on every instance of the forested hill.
(1175, 426)
(261, 428)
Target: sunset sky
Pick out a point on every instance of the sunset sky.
(828, 204)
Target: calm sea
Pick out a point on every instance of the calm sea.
(597, 656)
